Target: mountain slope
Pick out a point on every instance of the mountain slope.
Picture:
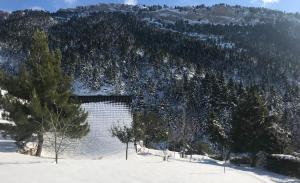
(163, 56)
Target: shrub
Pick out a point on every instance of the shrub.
(284, 164)
(296, 154)
(217, 157)
(243, 160)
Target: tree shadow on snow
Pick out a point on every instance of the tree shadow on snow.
(277, 178)
(261, 172)
(7, 146)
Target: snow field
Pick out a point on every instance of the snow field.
(147, 168)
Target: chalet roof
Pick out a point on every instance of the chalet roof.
(102, 98)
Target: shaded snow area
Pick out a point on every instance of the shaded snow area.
(6, 145)
(99, 141)
(146, 168)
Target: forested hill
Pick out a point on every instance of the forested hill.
(108, 45)
(166, 55)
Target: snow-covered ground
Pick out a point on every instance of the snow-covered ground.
(147, 168)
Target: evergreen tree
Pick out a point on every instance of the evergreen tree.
(217, 132)
(150, 128)
(38, 92)
(248, 123)
(291, 116)
(253, 130)
(279, 136)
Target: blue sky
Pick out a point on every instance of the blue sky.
(52, 5)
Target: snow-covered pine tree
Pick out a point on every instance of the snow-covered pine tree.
(217, 132)
(252, 128)
(291, 116)
(248, 124)
(150, 128)
(37, 92)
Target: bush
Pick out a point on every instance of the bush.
(284, 164)
(243, 160)
(202, 148)
(217, 157)
(296, 154)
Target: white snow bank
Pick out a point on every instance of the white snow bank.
(287, 157)
(172, 155)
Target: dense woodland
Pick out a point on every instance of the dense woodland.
(238, 83)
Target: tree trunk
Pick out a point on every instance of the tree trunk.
(253, 161)
(224, 158)
(228, 154)
(223, 152)
(56, 157)
(135, 146)
(55, 148)
(126, 150)
(174, 150)
(40, 144)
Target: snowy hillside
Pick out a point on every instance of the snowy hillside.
(139, 168)
(219, 14)
(200, 80)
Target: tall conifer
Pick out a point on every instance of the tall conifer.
(37, 92)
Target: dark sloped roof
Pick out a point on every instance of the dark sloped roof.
(103, 98)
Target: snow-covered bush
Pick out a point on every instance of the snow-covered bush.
(216, 157)
(245, 160)
(240, 158)
(284, 164)
(296, 154)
